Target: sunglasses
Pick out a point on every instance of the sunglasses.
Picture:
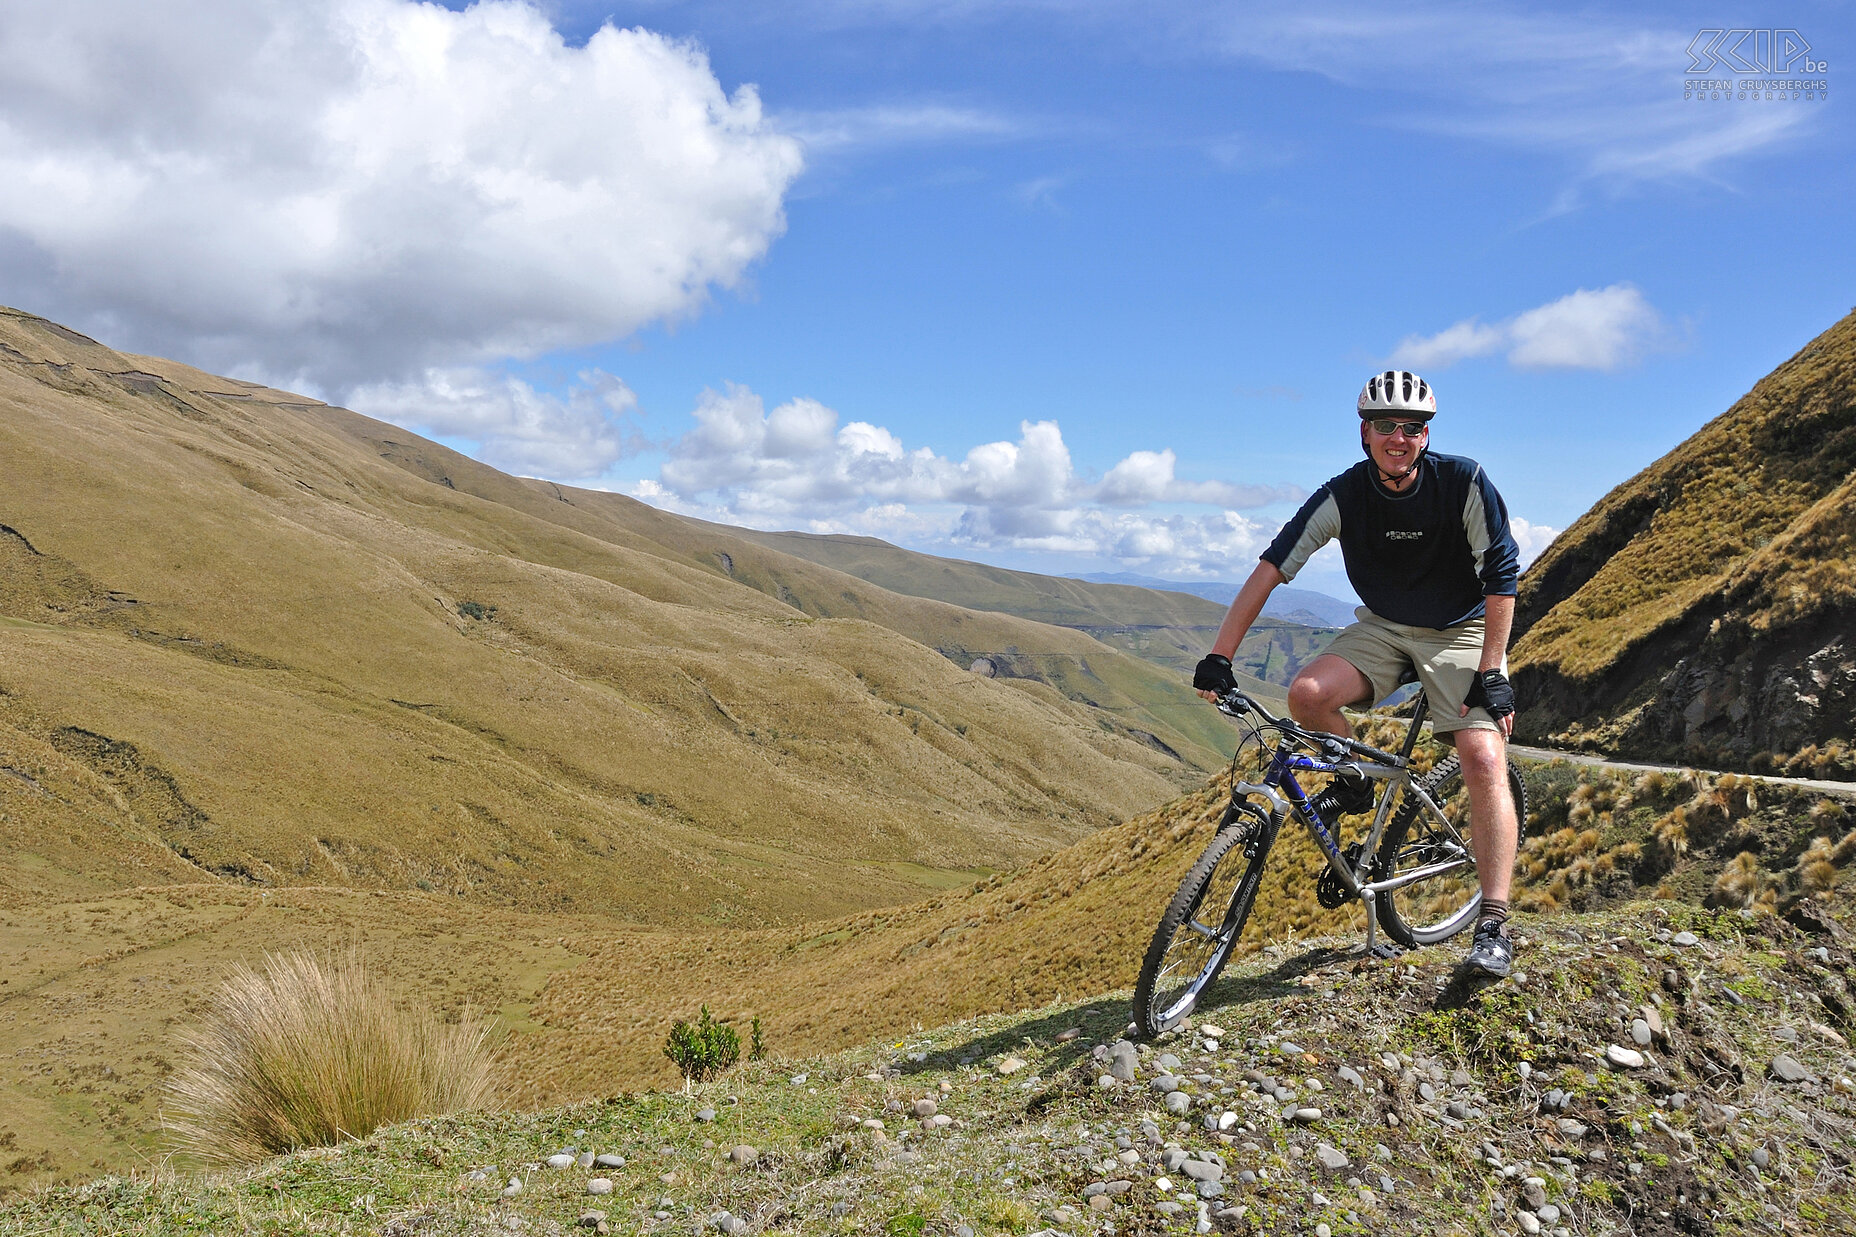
(1385, 427)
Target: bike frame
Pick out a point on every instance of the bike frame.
(1286, 796)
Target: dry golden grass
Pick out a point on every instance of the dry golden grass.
(308, 1052)
(1737, 547)
(227, 612)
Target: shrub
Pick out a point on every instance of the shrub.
(703, 1050)
(1741, 883)
(1816, 869)
(306, 1053)
(757, 1047)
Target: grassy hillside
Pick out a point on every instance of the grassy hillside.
(93, 989)
(1361, 1096)
(250, 638)
(1169, 628)
(1704, 608)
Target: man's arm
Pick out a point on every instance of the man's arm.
(1243, 612)
(1498, 621)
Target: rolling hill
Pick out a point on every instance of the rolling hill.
(1168, 627)
(249, 638)
(1706, 608)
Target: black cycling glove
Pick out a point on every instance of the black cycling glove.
(1491, 691)
(1214, 674)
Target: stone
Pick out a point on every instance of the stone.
(800, 1080)
(1762, 1157)
(940, 1121)
(1623, 1058)
(513, 1188)
(1166, 1084)
(1640, 1033)
(873, 1123)
(705, 1115)
(1068, 1033)
(599, 1185)
(1322, 1230)
(1178, 1102)
(1201, 1170)
(1167, 1062)
(1427, 1091)
(1123, 1060)
(1100, 1202)
(595, 1220)
(1227, 1119)
(925, 1108)
(1530, 1223)
(1685, 940)
(1787, 1069)
(1209, 1189)
(1534, 1192)
(1571, 1128)
(1211, 1032)
(1168, 1208)
(1457, 1110)
(609, 1160)
(1289, 1048)
(584, 1159)
(1305, 1115)
(744, 1154)
(1548, 1213)
(560, 1161)
(1332, 1158)
(1350, 1075)
(1011, 1065)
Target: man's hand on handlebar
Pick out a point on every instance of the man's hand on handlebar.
(1213, 677)
(1491, 690)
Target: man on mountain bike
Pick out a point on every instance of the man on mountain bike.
(1426, 543)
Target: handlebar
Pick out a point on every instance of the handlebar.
(1235, 703)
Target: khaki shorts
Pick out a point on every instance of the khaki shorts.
(1446, 663)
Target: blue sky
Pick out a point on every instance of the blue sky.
(1067, 286)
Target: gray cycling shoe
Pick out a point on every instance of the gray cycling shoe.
(1492, 953)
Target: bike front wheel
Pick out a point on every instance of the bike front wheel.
(1435, 836)
(1202, 923)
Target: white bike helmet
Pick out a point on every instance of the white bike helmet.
(1398, 392)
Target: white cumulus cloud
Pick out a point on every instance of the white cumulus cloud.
(1533, 539)
(796, 466)
(1602, 329)
(331, 193)
(569, 437)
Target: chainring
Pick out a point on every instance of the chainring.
(1328, 890)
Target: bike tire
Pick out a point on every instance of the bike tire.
(1441, 906)
(1226, 877)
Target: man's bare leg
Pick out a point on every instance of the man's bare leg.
(1323, 686)
(1492, 823)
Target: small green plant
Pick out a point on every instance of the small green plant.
(757, 1047)
(476, 610)
(702, 1050)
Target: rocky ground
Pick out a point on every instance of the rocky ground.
(1654, 1069)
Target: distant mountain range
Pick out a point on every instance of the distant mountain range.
(1298, 605)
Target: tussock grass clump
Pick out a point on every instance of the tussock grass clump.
(306, 1053)
(1743, 883)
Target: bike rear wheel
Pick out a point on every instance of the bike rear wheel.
(1202, 923)
(1419, 836)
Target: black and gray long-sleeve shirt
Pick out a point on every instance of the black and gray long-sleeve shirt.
(1424, 558)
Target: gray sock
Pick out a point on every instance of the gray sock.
(1494, 910)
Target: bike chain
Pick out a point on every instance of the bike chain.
(1328, 890)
